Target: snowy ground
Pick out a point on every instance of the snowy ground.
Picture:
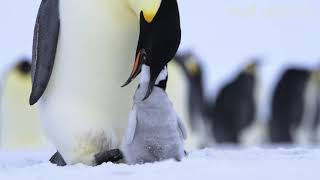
(213, 164)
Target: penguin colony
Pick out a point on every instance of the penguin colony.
(233, 111)
(81, 103)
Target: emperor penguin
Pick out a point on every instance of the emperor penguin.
(234, 108)
(81, 52)
(315, 138)
(288, 105)
(196, 106)
(20, 126)
(307, 131)
(155, 132)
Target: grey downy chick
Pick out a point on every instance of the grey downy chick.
(155, 131)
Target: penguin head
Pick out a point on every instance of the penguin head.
(189, 63)
(251, 69)
(315, 76)
(23, 66)
(158, 43)
(145, 64)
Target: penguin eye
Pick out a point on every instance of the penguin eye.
(144, 58)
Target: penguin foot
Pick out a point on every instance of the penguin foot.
(113, 156)
(57, 159)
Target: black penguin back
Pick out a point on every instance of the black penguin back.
(234, 108)
(288, 104)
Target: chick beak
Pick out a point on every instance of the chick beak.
(136, 68)
(150, 88)
(155, 70)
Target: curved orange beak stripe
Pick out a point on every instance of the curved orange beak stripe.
(135, 69)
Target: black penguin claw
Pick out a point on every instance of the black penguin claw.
(113, 156)
(57, 159)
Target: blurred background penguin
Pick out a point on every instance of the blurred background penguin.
(234, 109)
(20, 126)
(295, 107)
(186, 76)
(288, 105)
(307, 132)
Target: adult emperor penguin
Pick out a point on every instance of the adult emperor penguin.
(288, 105)
(20, 126)
(197, 107)
(307, 131)
(81, 50)
(234, 108)
(155, 131)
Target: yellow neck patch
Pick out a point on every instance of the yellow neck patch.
(192, 67)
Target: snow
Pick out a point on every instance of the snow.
(263, 163)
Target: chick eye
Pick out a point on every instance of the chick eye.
(144, 55)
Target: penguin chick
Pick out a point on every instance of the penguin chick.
(155, 131)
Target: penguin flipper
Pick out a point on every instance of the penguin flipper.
(45, 40)
(131, 126)
(58, 160)
(182, 128)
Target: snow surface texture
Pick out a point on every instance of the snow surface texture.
(211, 164)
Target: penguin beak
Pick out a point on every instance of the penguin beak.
(136, 67)
(151, 85)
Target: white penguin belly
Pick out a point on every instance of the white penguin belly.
(84, 109)
(179, 100)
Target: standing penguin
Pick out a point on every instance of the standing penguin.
(288, 105)
(196, 105)
(234, 108)
(155, 131)
(81, 50)
(307, 131)
(20, 126)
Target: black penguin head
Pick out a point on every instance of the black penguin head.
(24, 66)
(158, 42)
